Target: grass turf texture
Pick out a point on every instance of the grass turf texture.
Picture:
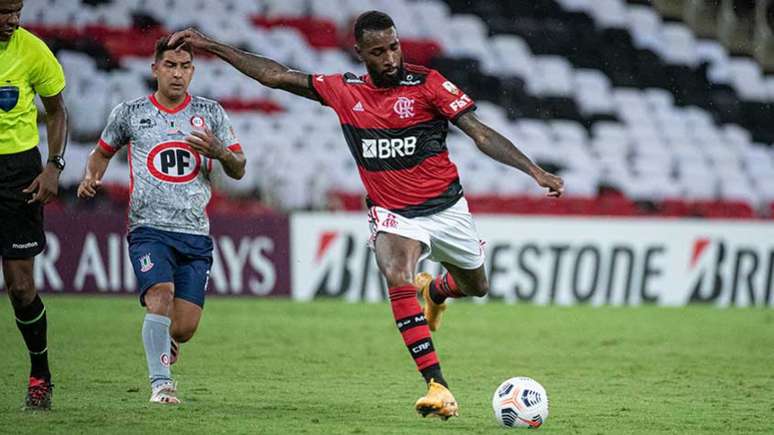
(272, 366)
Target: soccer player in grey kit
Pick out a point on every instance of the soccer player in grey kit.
(174, 140)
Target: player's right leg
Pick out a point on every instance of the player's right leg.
(156, 339)
(31, 320)
(397, 257)
(154, 263)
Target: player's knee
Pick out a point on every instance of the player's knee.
(159, 299)
(397, 276)
(479, 289)
(21, 291)
(184, 334)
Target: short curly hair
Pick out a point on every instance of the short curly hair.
(372, 20)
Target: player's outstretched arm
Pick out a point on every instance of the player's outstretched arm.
(266, 71)
(95, 169)
(46, 185)
(504, 151)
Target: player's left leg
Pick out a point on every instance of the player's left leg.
(457, 246)
(459, 283)
(31, 320)
(191, 279)
(185, 320)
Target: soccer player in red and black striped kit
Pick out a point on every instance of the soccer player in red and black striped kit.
(395, 121)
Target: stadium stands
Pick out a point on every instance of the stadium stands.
(638, 114)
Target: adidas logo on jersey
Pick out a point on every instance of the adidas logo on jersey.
(358, 107)
(389, 148)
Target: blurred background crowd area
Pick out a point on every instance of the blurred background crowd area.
(659, 108)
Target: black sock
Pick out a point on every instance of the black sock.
(434, 372)
(31, 321)
(435, 294)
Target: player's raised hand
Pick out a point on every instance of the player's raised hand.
(206, 143)
(553, 183)
(191, 36)
(88, 187)
(45, 186)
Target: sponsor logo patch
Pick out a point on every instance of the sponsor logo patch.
(460, 103)
(174, 162)
(26, 245)
(350, 78)
(389, 148)
(451, 88)
(410, 80)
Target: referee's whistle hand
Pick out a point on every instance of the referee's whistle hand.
(45, 186)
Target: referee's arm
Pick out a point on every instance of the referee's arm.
(46, 186)
(56, 124)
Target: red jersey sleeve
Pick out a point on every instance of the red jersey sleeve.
(447, 98)
(328, 88)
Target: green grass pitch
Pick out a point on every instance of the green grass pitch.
(275, 366)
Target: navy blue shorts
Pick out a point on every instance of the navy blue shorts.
(164, 256)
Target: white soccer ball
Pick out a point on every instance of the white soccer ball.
(520, 402)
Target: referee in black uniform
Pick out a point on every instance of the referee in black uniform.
(27, 68)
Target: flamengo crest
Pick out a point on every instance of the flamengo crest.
(404, 107)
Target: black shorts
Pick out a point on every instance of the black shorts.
(21, 224)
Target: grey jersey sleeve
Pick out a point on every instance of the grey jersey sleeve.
(115, 135)
(224, 131)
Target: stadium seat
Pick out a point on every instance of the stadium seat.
(652, 111)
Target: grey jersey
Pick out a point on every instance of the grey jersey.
(170, 182)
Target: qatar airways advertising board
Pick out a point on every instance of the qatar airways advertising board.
(87, 253)
(563, 261)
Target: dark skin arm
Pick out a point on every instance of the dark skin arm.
(45, 186)
(266, 71)
(207, 144)
(496, 146)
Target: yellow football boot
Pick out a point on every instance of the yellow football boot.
(438, 401)
(431, 310)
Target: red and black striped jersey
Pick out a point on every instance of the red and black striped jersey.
(397, 135)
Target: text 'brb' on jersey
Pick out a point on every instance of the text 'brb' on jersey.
(397, 135)
(170, 182)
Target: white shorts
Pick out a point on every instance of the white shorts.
(449, 236)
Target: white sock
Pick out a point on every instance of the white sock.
(155, 338)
